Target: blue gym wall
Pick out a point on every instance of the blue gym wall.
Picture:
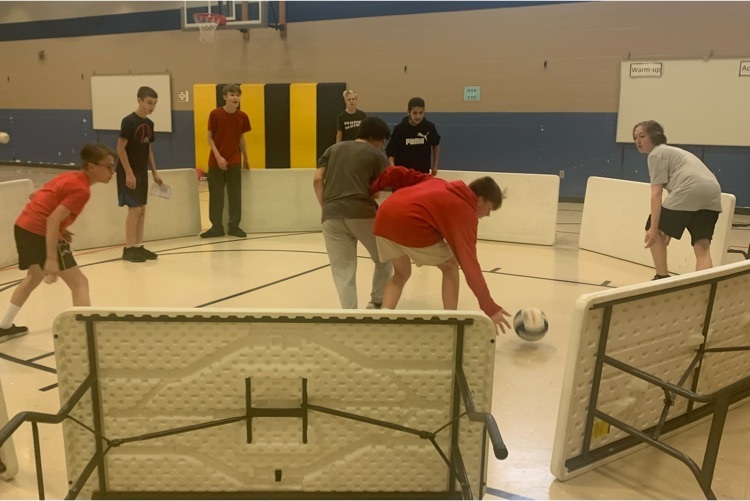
(557, 133)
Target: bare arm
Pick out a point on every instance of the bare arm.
(435, 158)
(320, 173)
(52, 235)
(338, 136)
(123, 156)
(243, 149)
(653, 232)
(220, 161)
(152, 163)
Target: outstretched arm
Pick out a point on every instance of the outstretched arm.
(397, 177)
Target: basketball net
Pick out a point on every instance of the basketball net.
(207, 23)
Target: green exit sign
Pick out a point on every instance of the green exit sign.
(471, 93)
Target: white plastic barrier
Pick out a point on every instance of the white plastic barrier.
(278, 200)
(529, 212)
(280, 402)
(14, 195)
(8, 457)
(284, 200)
(102, 222)
(614, 218)
(627, 343)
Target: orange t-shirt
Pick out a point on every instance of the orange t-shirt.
(71, 190)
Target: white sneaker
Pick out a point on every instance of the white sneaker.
(373, 306)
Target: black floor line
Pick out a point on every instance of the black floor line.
(574, 282)
(48, 388)
(41, 357)
(262, 286)
(5, 286)
(27, 364)
(504, 495)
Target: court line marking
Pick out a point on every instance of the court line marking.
(262, 286)
(505, 495)
(20, 361)
(34, 359)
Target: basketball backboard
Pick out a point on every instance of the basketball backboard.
(240, 15)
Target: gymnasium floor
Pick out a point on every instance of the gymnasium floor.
(290, 270)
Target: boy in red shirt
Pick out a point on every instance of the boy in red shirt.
(42, 238)
(226, 137)
(434, 222)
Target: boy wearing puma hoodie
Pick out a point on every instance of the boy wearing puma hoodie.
(414, 141)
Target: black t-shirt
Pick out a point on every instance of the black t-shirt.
(348, 124)
(411, 145)
(140, 134)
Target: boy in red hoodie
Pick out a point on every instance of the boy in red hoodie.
(434, 222)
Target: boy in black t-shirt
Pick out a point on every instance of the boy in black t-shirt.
(348, 121)
(414, 140)
(135, 154)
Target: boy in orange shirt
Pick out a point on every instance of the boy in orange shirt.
(42, 238)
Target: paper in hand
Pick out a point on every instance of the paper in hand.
(161, 190)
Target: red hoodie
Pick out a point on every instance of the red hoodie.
(426, 209)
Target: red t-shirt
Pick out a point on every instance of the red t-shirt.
(71, 190)
(227, 129)
(427, 209)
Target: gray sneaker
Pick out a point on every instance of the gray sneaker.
(12, 331)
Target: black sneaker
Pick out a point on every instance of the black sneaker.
(133, 254)
(659, 277)
(12, 331)
(147, 253)
(212, 233)
(237, 232)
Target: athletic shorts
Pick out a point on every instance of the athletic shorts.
(700, 224)
(136, 197)
(32, 249)
(432, 255)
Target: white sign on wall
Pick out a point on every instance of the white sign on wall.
(645, 70)
(745, 68)
(115, 96)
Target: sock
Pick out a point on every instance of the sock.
(10, 314)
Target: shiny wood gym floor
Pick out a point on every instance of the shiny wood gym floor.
(290, 270)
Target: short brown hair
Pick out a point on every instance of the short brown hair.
(487, 188)
(144, 92)
(95, 153)
(234, 88)
(653, 130)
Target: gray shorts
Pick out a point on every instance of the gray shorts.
(431, 256)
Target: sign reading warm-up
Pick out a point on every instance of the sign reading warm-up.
(698, 101)
(645, 70)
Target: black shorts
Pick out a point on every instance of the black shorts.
(700, 224)
(32, 249)
(136, 197)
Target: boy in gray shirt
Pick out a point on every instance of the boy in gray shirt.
(342, 185)
(694, 200)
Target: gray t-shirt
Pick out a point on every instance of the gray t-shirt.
(350, 168)
(691, 186)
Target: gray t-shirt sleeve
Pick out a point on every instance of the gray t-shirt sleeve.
(323, 160)
(658, 170)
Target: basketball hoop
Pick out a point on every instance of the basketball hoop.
(208, 23)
